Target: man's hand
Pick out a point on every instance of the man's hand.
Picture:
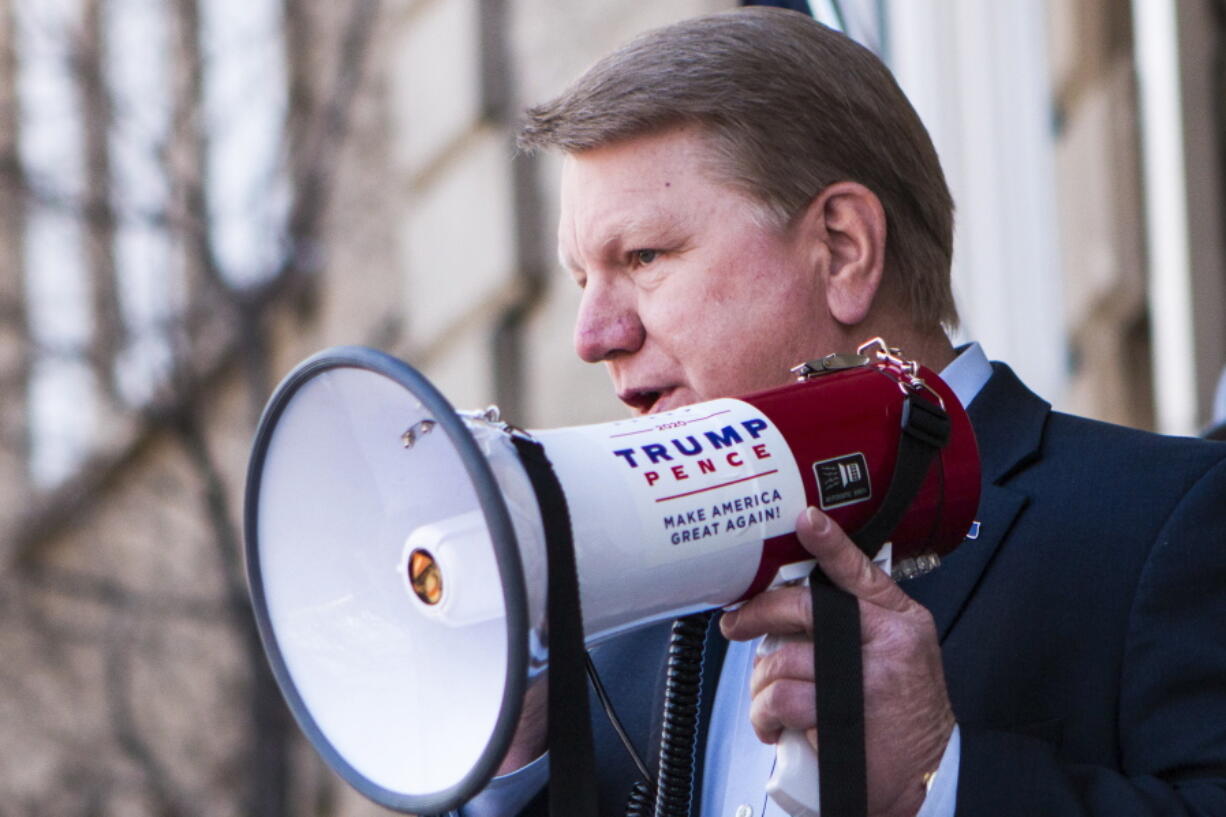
(908, 718)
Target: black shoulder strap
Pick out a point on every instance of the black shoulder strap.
(572, 766)
(837, 664)
(925, 430)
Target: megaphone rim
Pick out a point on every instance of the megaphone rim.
(503, 541)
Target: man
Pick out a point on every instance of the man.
(746, 191)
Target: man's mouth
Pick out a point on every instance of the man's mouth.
(643, 401)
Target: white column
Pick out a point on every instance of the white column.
(977, 73)
(1166, 216)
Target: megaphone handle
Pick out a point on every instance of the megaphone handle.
(838, 682)
(793, 783)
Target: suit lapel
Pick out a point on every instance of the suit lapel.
(946, 590)
(1008, 419)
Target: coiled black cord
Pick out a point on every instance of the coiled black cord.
(679, 733)
(640, 803)
(675, 781)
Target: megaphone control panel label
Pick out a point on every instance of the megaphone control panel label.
(705, 477)
(842, 481)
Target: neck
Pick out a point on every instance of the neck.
(930, 347)
(935, 351)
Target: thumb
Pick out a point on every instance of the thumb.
(845, 564)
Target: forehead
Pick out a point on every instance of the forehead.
(663, 181)
(676, 156)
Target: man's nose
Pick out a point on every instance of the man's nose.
(608, 322)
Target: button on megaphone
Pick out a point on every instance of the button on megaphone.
(396, 550)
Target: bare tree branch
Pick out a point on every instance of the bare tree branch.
(108, 593)
(108, 328)
(125, 726)
(14, 331)
(268, 778)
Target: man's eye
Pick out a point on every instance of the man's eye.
(644, 257)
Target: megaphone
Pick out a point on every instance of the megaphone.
(396, 557)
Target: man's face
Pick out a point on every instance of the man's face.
(688, 293)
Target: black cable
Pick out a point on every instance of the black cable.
(647, 783)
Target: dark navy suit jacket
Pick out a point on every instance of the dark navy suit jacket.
(1083, 631)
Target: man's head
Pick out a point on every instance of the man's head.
(776, 112)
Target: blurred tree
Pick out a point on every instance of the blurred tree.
(95, 103)
(14, 348)
(133, 680)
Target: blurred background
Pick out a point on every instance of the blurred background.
(196, 194)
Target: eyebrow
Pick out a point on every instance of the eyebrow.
(658, 222)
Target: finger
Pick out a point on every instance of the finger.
(791, 662)
(783, 611)
(845, 564)
(785, 704)
(788, 611)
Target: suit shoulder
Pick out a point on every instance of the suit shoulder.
(1068, 436)
(1100, 477)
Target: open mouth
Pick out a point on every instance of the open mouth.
(643, 401)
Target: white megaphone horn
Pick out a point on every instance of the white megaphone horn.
(395, 546)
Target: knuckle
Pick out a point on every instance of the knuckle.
(781, 701)
(761, 677)
(789, 704)
(801, 611)
(771, 697)
(787, 660)
(865, 572)
(763, 719)
(771, 667)
(792, 661)
(922, 617)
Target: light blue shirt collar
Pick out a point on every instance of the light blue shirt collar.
(967, 373)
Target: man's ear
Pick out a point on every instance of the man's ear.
(848, 222)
